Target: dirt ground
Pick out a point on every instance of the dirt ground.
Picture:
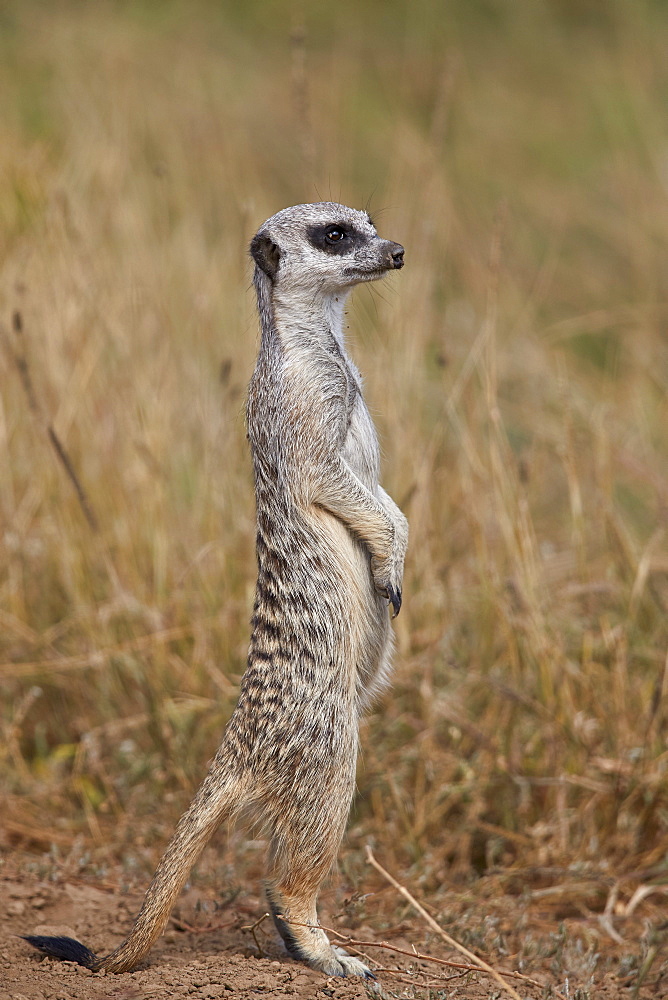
(211, 949)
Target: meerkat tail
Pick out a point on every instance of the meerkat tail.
(64, 948)
(216, 800)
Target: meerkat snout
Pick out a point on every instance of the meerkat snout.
(395, 253)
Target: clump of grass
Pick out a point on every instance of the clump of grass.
(516, 369)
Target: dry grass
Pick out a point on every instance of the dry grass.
(518, 369)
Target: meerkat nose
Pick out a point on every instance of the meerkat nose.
(396, 254)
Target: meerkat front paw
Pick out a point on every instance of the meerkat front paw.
(387, 583)
(388, 573)
(394, 597)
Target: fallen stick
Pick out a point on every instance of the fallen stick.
(352, 942)
(479, 962)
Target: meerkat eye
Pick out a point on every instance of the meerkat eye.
(333, 238)
(334, 234)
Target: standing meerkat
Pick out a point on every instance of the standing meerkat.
(330, 552)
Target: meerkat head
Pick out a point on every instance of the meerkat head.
(325, 248)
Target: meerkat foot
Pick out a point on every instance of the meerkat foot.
(335, 961)
(306, 941)
(352, 966)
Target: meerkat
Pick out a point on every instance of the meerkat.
(330, 553)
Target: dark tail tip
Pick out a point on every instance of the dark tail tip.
(64, 948)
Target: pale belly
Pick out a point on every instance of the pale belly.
(363, 613)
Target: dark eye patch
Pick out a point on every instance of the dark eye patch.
(335, 238)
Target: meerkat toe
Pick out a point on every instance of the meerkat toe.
(336, 961)
(350, 965)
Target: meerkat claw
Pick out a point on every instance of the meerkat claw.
(394, 597)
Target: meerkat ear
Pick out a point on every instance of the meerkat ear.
(266, 254)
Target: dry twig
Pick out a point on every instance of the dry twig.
(251, 928)
(479, 962)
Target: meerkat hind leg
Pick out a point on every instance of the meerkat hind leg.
(296, 920)
(304, 844)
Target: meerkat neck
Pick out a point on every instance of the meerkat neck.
(319, 315)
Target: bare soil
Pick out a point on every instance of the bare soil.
(211, 948)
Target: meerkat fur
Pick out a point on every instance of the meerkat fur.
(330, 553)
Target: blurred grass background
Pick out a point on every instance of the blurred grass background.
(517, 369)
